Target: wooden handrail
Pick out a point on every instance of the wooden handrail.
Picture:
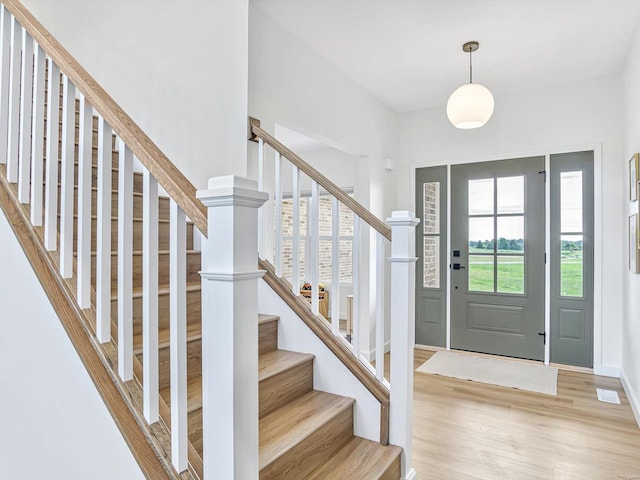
(177, 186)
(323, 181)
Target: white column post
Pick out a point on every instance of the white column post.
(230, 328)
(403, 274)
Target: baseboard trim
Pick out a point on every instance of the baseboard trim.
(412, 475)
(631, 395)
(609, 371)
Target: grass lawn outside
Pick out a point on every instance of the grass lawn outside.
(511, 272)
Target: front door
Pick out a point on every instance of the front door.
(498, 257)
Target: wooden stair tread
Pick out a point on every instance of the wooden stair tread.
(269, 365)
(162, 290)
(135, 219)
(139, 252)
(263, 318)
(194, 332)
(359, 459)
(277, 361)
(292, 423)
(194, 394)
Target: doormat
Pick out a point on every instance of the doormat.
(506, 373)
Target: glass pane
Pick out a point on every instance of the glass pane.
(511, 194)
(324, 257)
(481, 235)
(431, 264)
(480, 273)
(571, 202)
(511, 234)
(481, 196)
(571, 266)
(431, 203)
(346, 265)
(325, 215)
(510, 274)
(346, 221)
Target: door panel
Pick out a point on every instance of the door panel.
(431, 246)
(497, 242)
(571, 183)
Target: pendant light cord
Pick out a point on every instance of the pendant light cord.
(470, 67)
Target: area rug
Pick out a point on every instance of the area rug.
(506, 373)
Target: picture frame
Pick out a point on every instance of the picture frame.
(633, 177)
(634, 258)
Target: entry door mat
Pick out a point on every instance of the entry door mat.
(506, 373)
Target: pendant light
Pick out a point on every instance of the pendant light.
(471, 105)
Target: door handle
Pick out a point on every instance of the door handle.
(457, 266)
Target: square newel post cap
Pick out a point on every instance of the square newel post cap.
(232, 190)
(402, 218)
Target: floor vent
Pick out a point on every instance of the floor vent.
(609, 396)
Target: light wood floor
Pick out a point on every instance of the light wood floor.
(466, 430)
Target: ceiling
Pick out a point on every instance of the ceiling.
(408, 53)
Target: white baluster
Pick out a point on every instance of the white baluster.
(125, 270)
(37, 137)
(85, 136)
(278, 205)
(66, 177)
(355, 278)
(261, 211)
(335, 266)
(403, 276)
(26, 105)
(103, 234)
(178, 336)
(13, 128)
(53, 157)
(150, 297)
(5, 69)
(314, 247)
(295, 277)
(380, 307)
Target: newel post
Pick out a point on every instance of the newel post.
(403, 338)
(230, 329)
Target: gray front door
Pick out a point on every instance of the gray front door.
(571, 181)
(498, 258)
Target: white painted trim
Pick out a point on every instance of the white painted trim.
(608, 371)
(412, 475)
(233, 276)
(447, 285)
(596, 148)
(547, 264)
(631, 395)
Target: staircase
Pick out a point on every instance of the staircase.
(303, 433)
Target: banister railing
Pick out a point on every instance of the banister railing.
(69, 175)
(327, 236)
(177, 186)
(322, 180)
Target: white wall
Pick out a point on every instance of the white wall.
(292, 85)
(538, 121)
(631, 282)
(54, 422)
(179, 68)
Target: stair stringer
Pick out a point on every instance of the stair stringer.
(329, 373)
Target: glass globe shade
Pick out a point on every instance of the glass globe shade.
(470, 106)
